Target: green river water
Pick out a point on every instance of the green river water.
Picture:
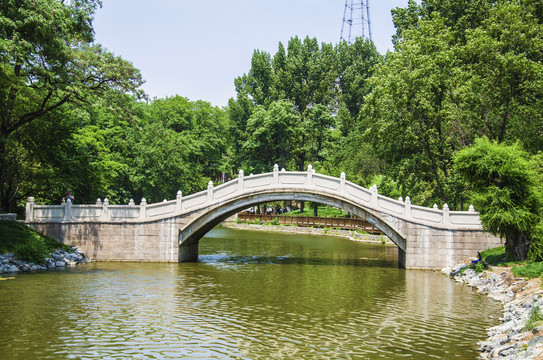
(252, 295)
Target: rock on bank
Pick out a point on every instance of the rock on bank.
(58, 259)
(521, 299)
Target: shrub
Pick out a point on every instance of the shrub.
(275, 221)
(535, 318)
(34, 251)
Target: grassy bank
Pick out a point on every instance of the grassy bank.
(496, 257)
(27, 244)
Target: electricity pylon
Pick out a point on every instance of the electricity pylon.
(357, 18)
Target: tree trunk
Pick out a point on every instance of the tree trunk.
(516, 247)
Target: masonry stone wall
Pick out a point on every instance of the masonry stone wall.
(430, 248)
(152, 241)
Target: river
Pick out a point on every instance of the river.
(252, 295)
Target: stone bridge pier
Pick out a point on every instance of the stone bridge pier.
(427, 238)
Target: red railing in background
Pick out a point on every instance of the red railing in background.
(344, 223)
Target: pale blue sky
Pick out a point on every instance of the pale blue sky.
(196, 48)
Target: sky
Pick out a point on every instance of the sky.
(196, 48)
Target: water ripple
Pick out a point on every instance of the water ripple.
(242, 302)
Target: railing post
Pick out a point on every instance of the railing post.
(407, 213)
(446, 214)
(178, 201)
(241, 181)
(342, 189)
(68, 210)
(29, 216)
(310, 175)
(143, 208)
(275, 175)
(105, 209)
(374, 194)
(210, 191)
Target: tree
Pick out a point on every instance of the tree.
(407, 116)
(460, 70)
(272, 134)
(502, 96)
(48, 60)
(505, 189)
(356, 64)
(304, 74)
(177, 145)
(459, 16)
(318, 132)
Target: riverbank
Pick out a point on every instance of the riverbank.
(520, 336)
(56, 260)
(349, 234)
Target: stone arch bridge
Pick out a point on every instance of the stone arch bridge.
(169, 231)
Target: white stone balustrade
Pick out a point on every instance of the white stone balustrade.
(276, 181)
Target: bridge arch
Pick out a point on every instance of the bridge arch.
(196, 229)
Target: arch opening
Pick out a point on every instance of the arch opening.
(193, 232)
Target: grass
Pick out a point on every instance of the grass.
(25, 243)
(532, 270)
(496, 257)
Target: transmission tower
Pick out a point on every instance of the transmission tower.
(357, 17)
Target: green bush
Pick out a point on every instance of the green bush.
(275, 221)
(479, 267)
(505, 189)
(536, 317)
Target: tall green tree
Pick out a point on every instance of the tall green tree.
(303, 73)
(502, 96)
(47, 60)
(272, 136)
(356, 64)
(177, 145)
(459, 71)
(407, 116)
